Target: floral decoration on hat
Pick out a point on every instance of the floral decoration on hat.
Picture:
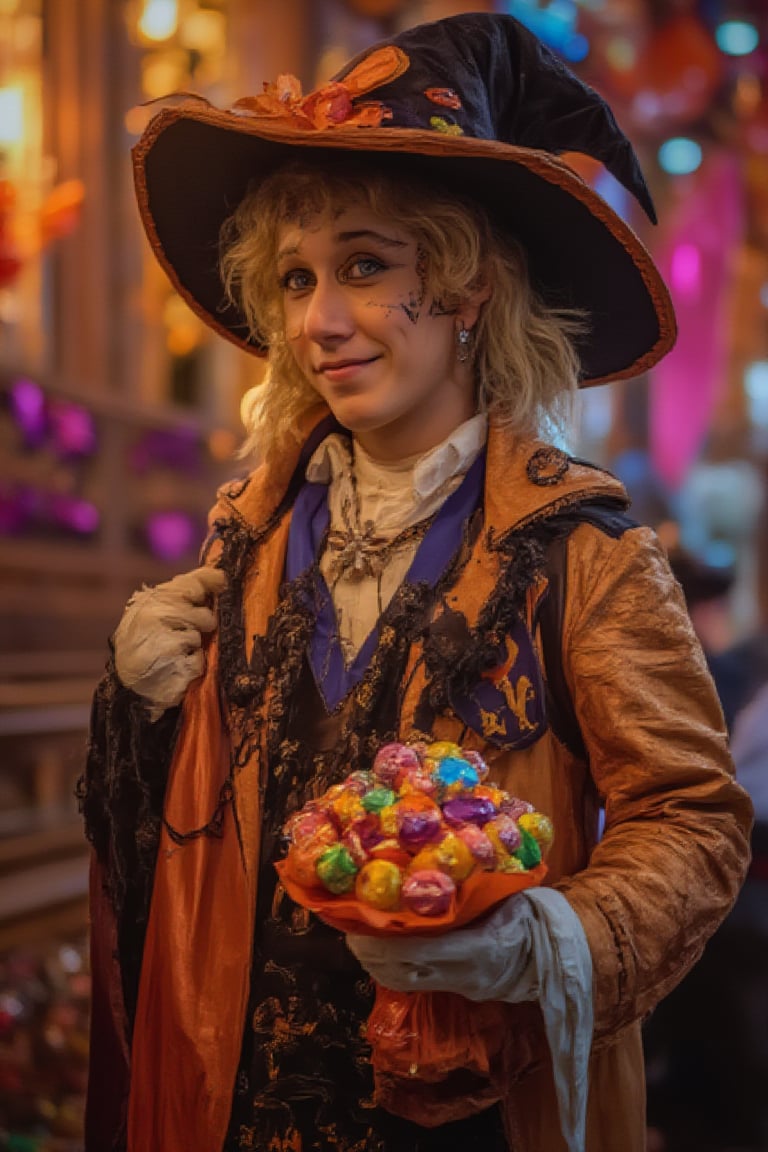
(445, 97)
(331, 106)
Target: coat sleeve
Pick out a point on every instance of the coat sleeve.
(676, 843)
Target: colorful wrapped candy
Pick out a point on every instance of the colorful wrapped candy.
(422, 843)
(379, 883)
(409, 835)
(427, 891)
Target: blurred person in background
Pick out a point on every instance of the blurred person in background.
(651, 502)
(705, 588)
(745, 931)
(707, 1043)
(722, 515)
(429, 281)
(740, 668)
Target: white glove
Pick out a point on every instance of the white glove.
(490, 960)
(532, 947)
(158, 642)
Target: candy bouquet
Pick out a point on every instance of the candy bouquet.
(422, 843)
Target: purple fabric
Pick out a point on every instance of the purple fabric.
(309, 524)
(507, 705)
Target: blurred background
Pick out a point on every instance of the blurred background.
(120, 414)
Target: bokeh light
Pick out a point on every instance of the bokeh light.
(679, 156)
(737, 37)
(159, 19)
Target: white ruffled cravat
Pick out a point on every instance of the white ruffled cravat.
(393, 496)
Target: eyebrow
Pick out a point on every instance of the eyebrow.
(388, 241)
(344, 237)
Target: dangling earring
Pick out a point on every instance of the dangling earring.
(463, 337)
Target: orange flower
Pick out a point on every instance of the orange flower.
(445, 97)
(332, 105)
(328, 106)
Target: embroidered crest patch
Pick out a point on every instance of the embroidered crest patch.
(504, 702)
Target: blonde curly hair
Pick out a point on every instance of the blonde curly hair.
(526, 367)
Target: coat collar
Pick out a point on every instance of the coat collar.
(529, 480)
(526, 479)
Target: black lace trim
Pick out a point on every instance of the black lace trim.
(120, 795)
(456, 655)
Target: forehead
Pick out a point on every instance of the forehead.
(338, 225)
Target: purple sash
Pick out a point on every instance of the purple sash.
(309, 524)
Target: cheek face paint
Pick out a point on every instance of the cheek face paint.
(416, 297)
(388, 309)
(412, 307)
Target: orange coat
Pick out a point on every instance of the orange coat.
(649, 893)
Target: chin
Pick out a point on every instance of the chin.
(357, 421)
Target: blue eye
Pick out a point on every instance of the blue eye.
(361, 268)
(295, 281)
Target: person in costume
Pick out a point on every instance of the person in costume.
(409, 559)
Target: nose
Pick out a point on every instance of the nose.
(328, 317)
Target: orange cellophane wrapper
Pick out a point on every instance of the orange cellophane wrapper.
(428, 1037)
(476, 895)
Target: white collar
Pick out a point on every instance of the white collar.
(429, 471)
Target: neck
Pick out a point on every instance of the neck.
(391, 446)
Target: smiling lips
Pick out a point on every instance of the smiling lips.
(343, 369)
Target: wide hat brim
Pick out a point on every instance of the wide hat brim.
(194, 163)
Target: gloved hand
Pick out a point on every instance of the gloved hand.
(532, 947)
(489, 960)
(158, 642)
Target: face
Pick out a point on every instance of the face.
(367, 335)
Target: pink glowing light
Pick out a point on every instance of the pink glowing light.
(685, 272)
